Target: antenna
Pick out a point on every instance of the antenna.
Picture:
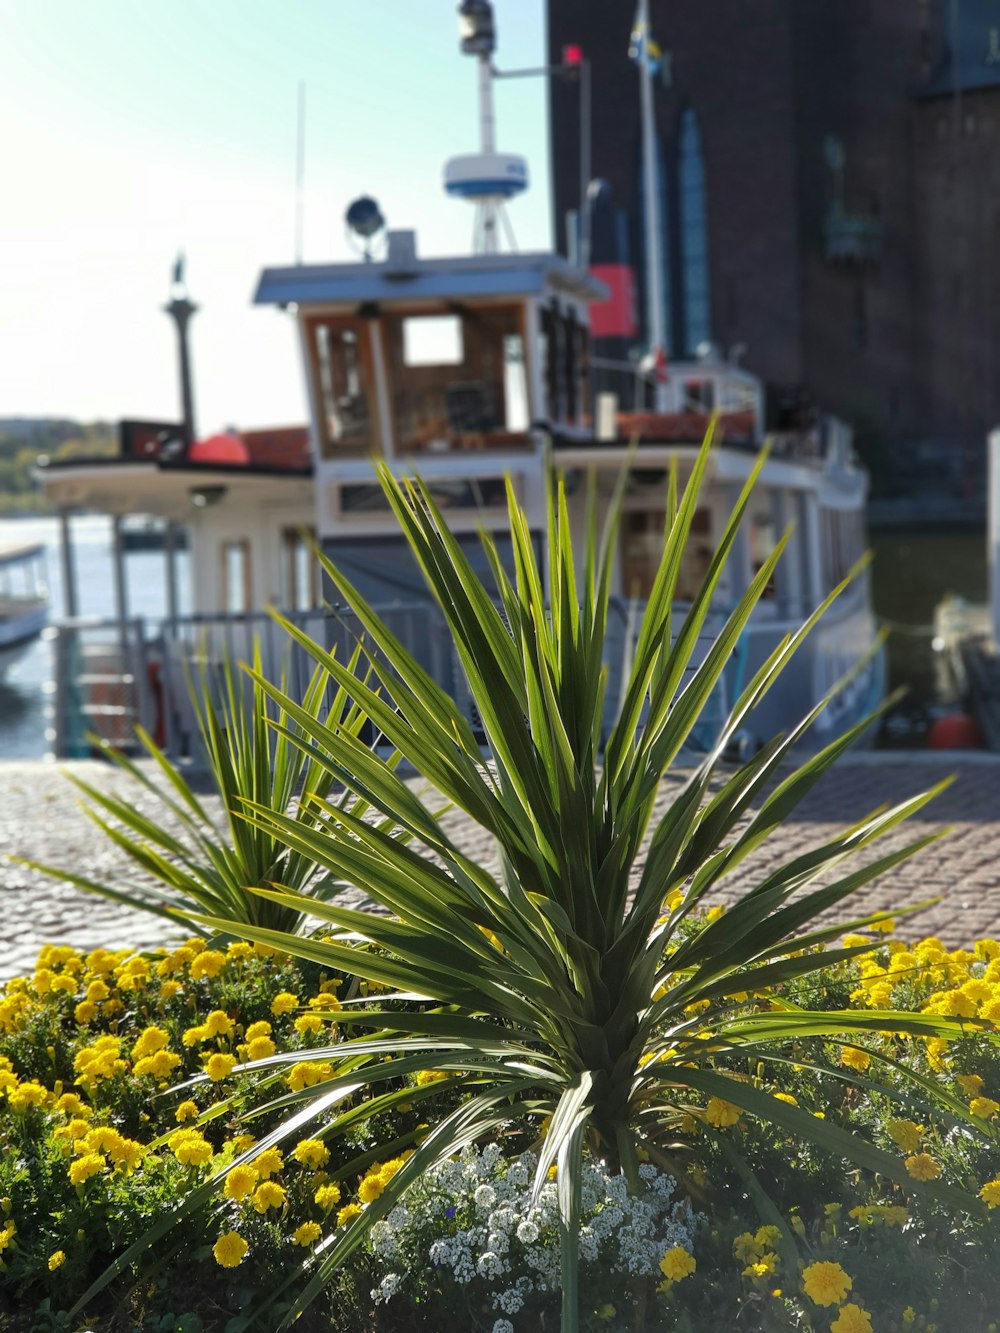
(300, 172)
(487, 178)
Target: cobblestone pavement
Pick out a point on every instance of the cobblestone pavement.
(40, 819)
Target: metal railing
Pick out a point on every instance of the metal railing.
(110, 675)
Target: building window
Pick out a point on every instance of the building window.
(694, 234)
(236, 596)
(299, 569)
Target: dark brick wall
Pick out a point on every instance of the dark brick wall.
(907, 347)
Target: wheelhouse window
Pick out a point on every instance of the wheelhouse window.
(343, 377)
(457, 378)
(565, 352)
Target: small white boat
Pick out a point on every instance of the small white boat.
(24, 600)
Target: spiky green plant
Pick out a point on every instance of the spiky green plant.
(563, 988)
(194, 863)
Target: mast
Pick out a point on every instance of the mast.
(652, 220)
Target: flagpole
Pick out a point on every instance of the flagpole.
(654, 241)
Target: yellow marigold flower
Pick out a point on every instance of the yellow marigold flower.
(260, 1048)
(101, 961)
(991, 1010)
(855, 1059)
(28, 1094)
(268, 1163)
(151, 1040)
(852, 1319)
(85, 1012)
(765, 1266)
(307, 1233)
(990, 1193)
(745, 1247)
(721, 1113)
(826, 1283)
(677, 1263)
(169, 989)
(370, 1188)
(327, 1196)
(268, 1194)
(325, 1001)
(242, 1142)
(985, 1107)
(260, 1029)
(127, 1153)
(186, 1111)
(195, 1036)
(426, 1076)
(347, 1214)
(673, 900)
(308, 1023)
(230, 1250)
(41, 982)
(302, 1075)
(311, 1152)
(714, 913)
(922, 1166)
(56, 1260)
(75, 1130)
(209, 963)
(240, 1182)
(284, 1002)
(190, 1148)
(971, 1084)
(159, 1065)
(70, 1104)
(218, 1023)
(240, 949)
(113, 1007)
(906, 1134)
(7, 1233)
(909, 1315)
(219, 1066)
(84, 1167)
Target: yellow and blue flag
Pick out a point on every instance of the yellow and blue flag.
(643, 47)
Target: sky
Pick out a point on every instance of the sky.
(132, 131)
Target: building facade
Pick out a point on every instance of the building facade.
(830, 195)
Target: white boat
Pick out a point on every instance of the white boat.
(24, 600)
(469, 370)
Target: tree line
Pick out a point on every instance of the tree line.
(24, 440)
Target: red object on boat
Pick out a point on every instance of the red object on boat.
(225, 448)
(956, 731)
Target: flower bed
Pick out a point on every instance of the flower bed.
(102, 1130)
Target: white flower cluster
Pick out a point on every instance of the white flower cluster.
(472, 1217)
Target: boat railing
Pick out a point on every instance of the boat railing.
(111, 675)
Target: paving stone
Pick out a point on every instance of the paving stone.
(41, 819)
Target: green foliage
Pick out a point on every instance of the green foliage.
(21, 448)
(570, 990)
(195, 865)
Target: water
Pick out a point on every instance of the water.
(22, 691)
